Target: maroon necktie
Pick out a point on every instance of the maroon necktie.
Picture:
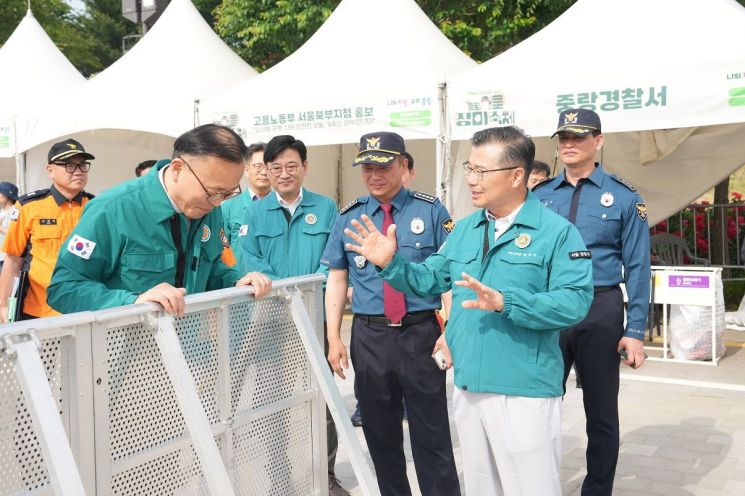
(394, 304)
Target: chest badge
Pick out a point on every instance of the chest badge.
(311, 219)
(417, 225)
(206, 233)
(243, 230)
(523, 240)
(360, 261)
(607, 199)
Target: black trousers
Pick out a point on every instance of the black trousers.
(392, 364)
(592, 346)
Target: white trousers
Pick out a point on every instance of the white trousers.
(511, 445)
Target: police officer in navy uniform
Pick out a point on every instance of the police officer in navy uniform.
(393, 334)
(612, 218)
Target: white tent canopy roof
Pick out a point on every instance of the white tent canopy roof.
(655, 71)
(373, 64)
(152, 88)
(681, 55)
(33, 70)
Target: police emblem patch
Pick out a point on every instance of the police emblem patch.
(81, 247)
(607, 199)
(641, 211)
(448, 225)
(311, 219)
(224, 238)
(360, 261)
(206, 233)
(243, 230)
(523, 240)
(417, 225)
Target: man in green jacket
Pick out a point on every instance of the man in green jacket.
(286, 235)
(521, 275)
(158, 237)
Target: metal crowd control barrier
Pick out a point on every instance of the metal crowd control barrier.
(227, 399)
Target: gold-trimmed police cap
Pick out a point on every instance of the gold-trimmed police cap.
(66, 149)
(578, 121)
(379, 148)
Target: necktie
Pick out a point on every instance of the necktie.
(394, 303)
(575, 200)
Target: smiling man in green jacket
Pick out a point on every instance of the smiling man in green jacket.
(521, 275)
(158, 237)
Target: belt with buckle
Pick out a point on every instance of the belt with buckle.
(409, 318)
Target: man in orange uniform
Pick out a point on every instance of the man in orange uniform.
(42, 221)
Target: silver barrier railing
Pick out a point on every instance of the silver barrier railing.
(227, 399)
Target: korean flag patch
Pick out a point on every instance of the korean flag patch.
(14, 214)
(81, 247)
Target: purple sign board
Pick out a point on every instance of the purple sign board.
(688, 281)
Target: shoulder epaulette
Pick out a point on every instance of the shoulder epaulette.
(424, 196)
(34, 195)
(350, 205)
(623, 181)
(542, 183)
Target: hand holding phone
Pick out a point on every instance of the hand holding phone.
(439, 358)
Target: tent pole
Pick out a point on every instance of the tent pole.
(442, 152)
(339, 178)
(196, 112)
(21, 173)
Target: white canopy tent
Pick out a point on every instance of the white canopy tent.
(133, 110)
(666, 77)
(373, 65)
(33, 71)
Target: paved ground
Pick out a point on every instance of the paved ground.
(682, 430)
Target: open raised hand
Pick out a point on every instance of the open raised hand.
(371, 243)
(486, 298)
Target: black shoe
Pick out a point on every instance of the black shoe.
(356, 417)
(335, 488)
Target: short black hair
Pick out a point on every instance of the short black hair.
(259, 146)
(538, 166)
(519, 149)
(211, 140)
(279, 144)
(408, 157)
(144, 165)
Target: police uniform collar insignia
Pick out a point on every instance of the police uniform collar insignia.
(622, 181)
(206, 233)
(311, 219)
(607, 199)
(523, 240)
(360, 261)
(424, 196)
(417, 225)
(350, 205)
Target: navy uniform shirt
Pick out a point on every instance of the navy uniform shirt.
(612, 218)
(423, 224)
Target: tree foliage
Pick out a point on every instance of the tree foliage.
(264, 32)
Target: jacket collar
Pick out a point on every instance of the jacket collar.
(528, 216)
(60, 198)
(596, 177)
(159, 204)
(398, 201)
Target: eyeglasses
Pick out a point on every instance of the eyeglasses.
(259, 166)
(468, 169)
(72, 166)
(215, 199)
(290, 167)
